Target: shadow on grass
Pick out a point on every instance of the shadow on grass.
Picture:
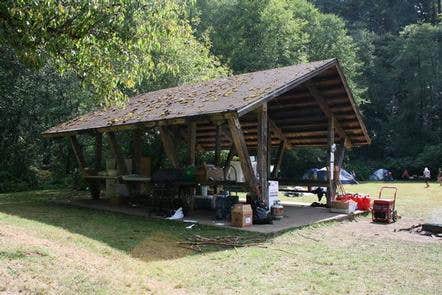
(141, 237)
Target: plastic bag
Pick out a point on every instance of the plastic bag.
(261, 213)
(179, 214)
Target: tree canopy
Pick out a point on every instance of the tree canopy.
(251, 35)
(112, 46)
(59, 59)
(382, 16)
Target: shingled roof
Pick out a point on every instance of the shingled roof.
(240, 94)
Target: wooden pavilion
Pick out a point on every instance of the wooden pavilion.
(305, 105)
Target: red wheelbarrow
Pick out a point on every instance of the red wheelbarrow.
(384, 210)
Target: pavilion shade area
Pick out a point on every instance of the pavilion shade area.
(299, 116)
(260, 113)
(291, 94)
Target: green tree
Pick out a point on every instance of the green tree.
(30, 102)
(112, 46)
(63, 58)
(404, 85)
(253, 35)
(382, 16)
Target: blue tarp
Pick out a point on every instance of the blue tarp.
(321, 174)
(381, 175)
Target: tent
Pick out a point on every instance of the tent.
(321, 174)
(381, 175)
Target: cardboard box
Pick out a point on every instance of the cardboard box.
(241, 215)
(343, 207)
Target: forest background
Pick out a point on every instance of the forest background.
(61, 59)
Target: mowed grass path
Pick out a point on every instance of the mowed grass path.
(49, 248)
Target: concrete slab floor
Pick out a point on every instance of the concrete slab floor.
(295, 215)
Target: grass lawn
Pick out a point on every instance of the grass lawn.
(49, 248)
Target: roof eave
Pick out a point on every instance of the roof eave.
(253, 105)
(353, 103)
(131, 126)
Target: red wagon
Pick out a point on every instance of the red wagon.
(384, 210)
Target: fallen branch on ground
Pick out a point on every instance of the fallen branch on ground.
(307, 237)
(423, 229)
(196, 242)
(409, 228)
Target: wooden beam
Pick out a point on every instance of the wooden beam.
(217, 145)
(169, 147)
(98, 151)
(184, 135)
(269, 148)
(279, 157)
(262, 152)
(339, 159)
(137, 149)
(331, 159)
(230, 156)
(278, 132)
(217, 123)
(225, 132)
(243, 153)
(352, 101)
(192, 143)
(94, 186)
(78, 152)
(116, 152)
(289, 86)
(327, 111)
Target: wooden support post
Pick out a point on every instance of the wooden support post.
(269, 148)
(331, 150)
(262, 153)
(184, 134)
(137, 150)
(96, 185)
(116, 152)
(225, 133)
(78, 152)
(243, 153)
(339, 159)
(192, 143)
(279, 157)
(217, 145)
(278, 132)
(168, 146)
(339, 156)
(228, 160)
(98, 151)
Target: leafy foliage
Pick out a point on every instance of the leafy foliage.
(62, 58)
(112, 46)
(405, 112)
(253, 35)
(381, 16)
(29, 104)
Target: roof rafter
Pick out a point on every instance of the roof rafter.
(328, 112)
(278, 132)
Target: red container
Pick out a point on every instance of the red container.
(363, 203)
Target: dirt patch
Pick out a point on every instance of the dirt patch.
(364, 228)
(159, 246)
